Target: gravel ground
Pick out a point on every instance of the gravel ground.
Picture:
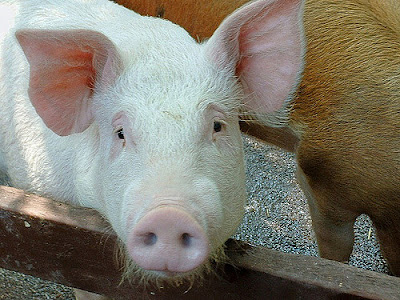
(276, 217)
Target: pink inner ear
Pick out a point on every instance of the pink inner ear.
(265, 41)
(68, 86)
(271, 50)
(64, 67)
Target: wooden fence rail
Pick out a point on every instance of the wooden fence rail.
(75, 247)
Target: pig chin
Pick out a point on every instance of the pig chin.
(159, 279)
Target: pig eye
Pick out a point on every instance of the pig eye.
(217, 126)
(120, 133)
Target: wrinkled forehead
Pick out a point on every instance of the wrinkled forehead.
(176, 84)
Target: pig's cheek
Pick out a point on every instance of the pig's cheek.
(208, 210)
(116, 149)
(112, 188)
(132, 209)
(232, 181)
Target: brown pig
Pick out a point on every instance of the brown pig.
(199, 17)
(347, 117)
(344, 124)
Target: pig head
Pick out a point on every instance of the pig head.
(131, 116)
(344, 124)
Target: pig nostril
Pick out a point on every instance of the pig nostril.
(169, 240)
(186, 240)
(150, 239)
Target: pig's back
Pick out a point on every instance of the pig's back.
(353, 57)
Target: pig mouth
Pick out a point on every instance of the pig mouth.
(134, 274)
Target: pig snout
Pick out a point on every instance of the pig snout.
(169, 240)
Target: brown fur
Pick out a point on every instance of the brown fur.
(345, 123)
(348, 115)
(199, 17)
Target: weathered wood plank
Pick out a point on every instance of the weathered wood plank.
(76, 247)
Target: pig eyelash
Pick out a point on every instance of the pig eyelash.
(218, 126)
(121, 136)
(120, 133)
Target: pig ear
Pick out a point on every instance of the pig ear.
(65, 66)
(263, 44)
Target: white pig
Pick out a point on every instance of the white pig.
(104, 108)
